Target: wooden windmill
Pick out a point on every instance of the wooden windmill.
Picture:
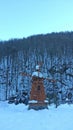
(37, 99)
(37, 93)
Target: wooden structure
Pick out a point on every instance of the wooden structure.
(37, 94)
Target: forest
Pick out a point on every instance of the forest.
(54, 51)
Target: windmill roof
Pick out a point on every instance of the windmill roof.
(37, 74)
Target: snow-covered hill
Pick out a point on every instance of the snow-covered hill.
(18, 117)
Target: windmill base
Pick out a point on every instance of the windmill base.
(38, 106)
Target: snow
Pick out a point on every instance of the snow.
(33, 101)
(37, 67)
(18, 117)
(37, 74)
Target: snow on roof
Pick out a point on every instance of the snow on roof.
(37, 67)
(37, 74)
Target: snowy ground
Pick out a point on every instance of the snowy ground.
(18, 117)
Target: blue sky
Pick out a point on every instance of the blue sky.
(23, 18)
